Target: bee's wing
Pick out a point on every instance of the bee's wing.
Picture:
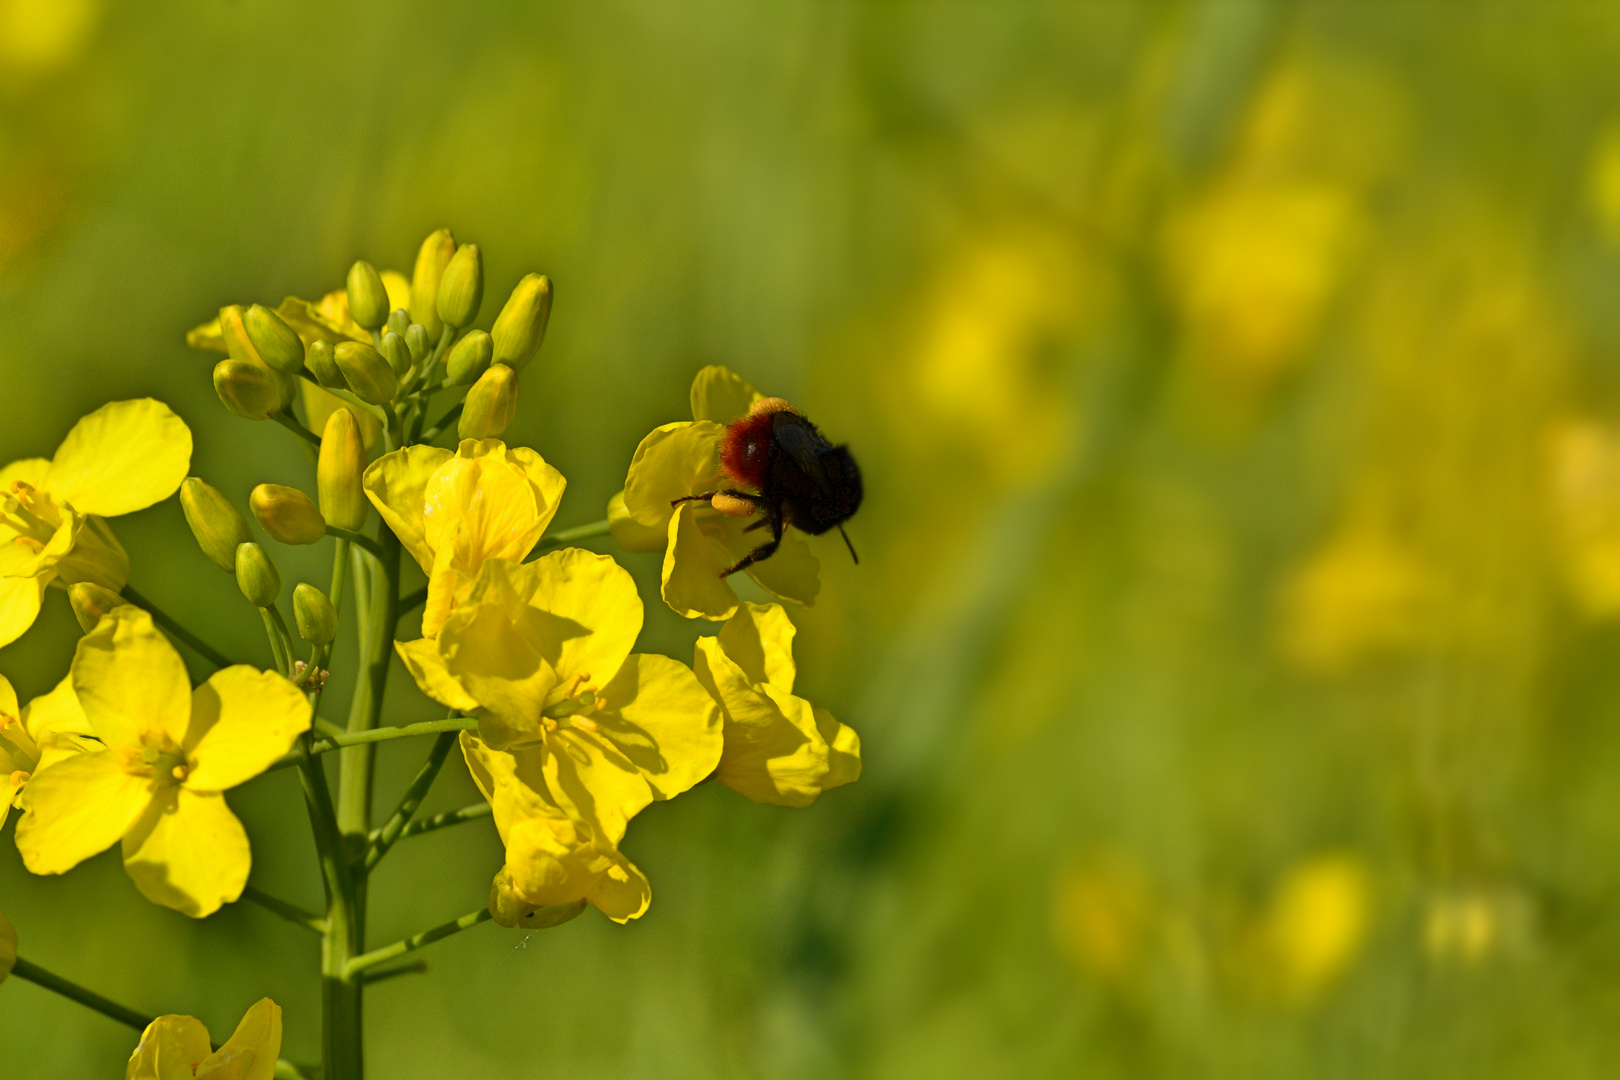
(803, 445)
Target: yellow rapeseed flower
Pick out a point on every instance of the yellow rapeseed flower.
(171, 752)
(452, 510)
(174, 1047)
(570, 721)
(552, 858)
(50, 728)
(699, 542)
(778, 748)
(123, 457)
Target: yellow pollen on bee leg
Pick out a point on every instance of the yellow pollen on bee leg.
(770, 405)
(731, 505)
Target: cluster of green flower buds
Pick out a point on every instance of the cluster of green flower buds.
(417, 346)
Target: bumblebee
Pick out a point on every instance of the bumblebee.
(800, 478)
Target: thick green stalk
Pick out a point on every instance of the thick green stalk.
(341, 1043)
(365, 708)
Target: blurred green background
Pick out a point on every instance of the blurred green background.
(1234, 642)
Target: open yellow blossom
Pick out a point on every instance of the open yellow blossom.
(552, 858)
(778, 748)
(177, 1048)
(50, 728)
(540, 652)
(699, 542)
(170, 753)
(123, 457)
(452, 510)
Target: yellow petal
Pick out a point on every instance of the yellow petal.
(759, 639)
(20, 599)
(395, 484)
(312, 323)
(31, 471)
(499, 668)
(57, 713)
(674, 461)
(188, 851)
(207, 336)
(793, 573)
(8, 699)
(123, 457)
(655, 735)
(488, 502)
(718, 394)
(94, 554)
(692, 585)
(844, 762)
(398, 288)
(129, 680)
(630, 534)
(553, 859)
(169, 1049)
(582, 612)
(75, 809)
(251, 1051)
(513, 782)
(427, 667)
(241, 721)
(774, 750)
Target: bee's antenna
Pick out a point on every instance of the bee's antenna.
(849, 545)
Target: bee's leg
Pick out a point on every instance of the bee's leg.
(764, 551)
(760, 524)
(693, 498)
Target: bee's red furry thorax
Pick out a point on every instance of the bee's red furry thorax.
(746, 452)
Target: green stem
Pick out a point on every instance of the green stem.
(444, 421)
(415, 967)
(340, 996)
(365, 708)
(197, 645)
(347, 739)
(384, 838)
(411, 944)
(413, 600)
(340, 564)
(372, 547)
(568, 536)
(74, 992)
(446, 819)
(290, 912)
(288, 421)
(280, 625)
(278, 647)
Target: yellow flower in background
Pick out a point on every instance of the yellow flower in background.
(41, 36)
(699, 542)
(170, 754)
(123, 457)
(552, 857)
(1466, 924)
(778, 748)
(8, 946)
(453, 510)
(50, 728)
(1584, 491)
(178, 1048)
(1313, 927)
(540, 652)
(1104, 916)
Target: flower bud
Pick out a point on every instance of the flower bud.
(461, 289)
(324, 365)
(337, 474)
(90, 602)
(287, 514)
(317, 619)
(368, 299)
(431, 260)
(216, 524)
(276, 343)
(367, 373)
(233, 329)
(249, 390)
(397, 353)
(521, 325)
(508, 908)
(469, 358)
(416, 339)
(256, 575)
(491, 404)
(398, 320)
